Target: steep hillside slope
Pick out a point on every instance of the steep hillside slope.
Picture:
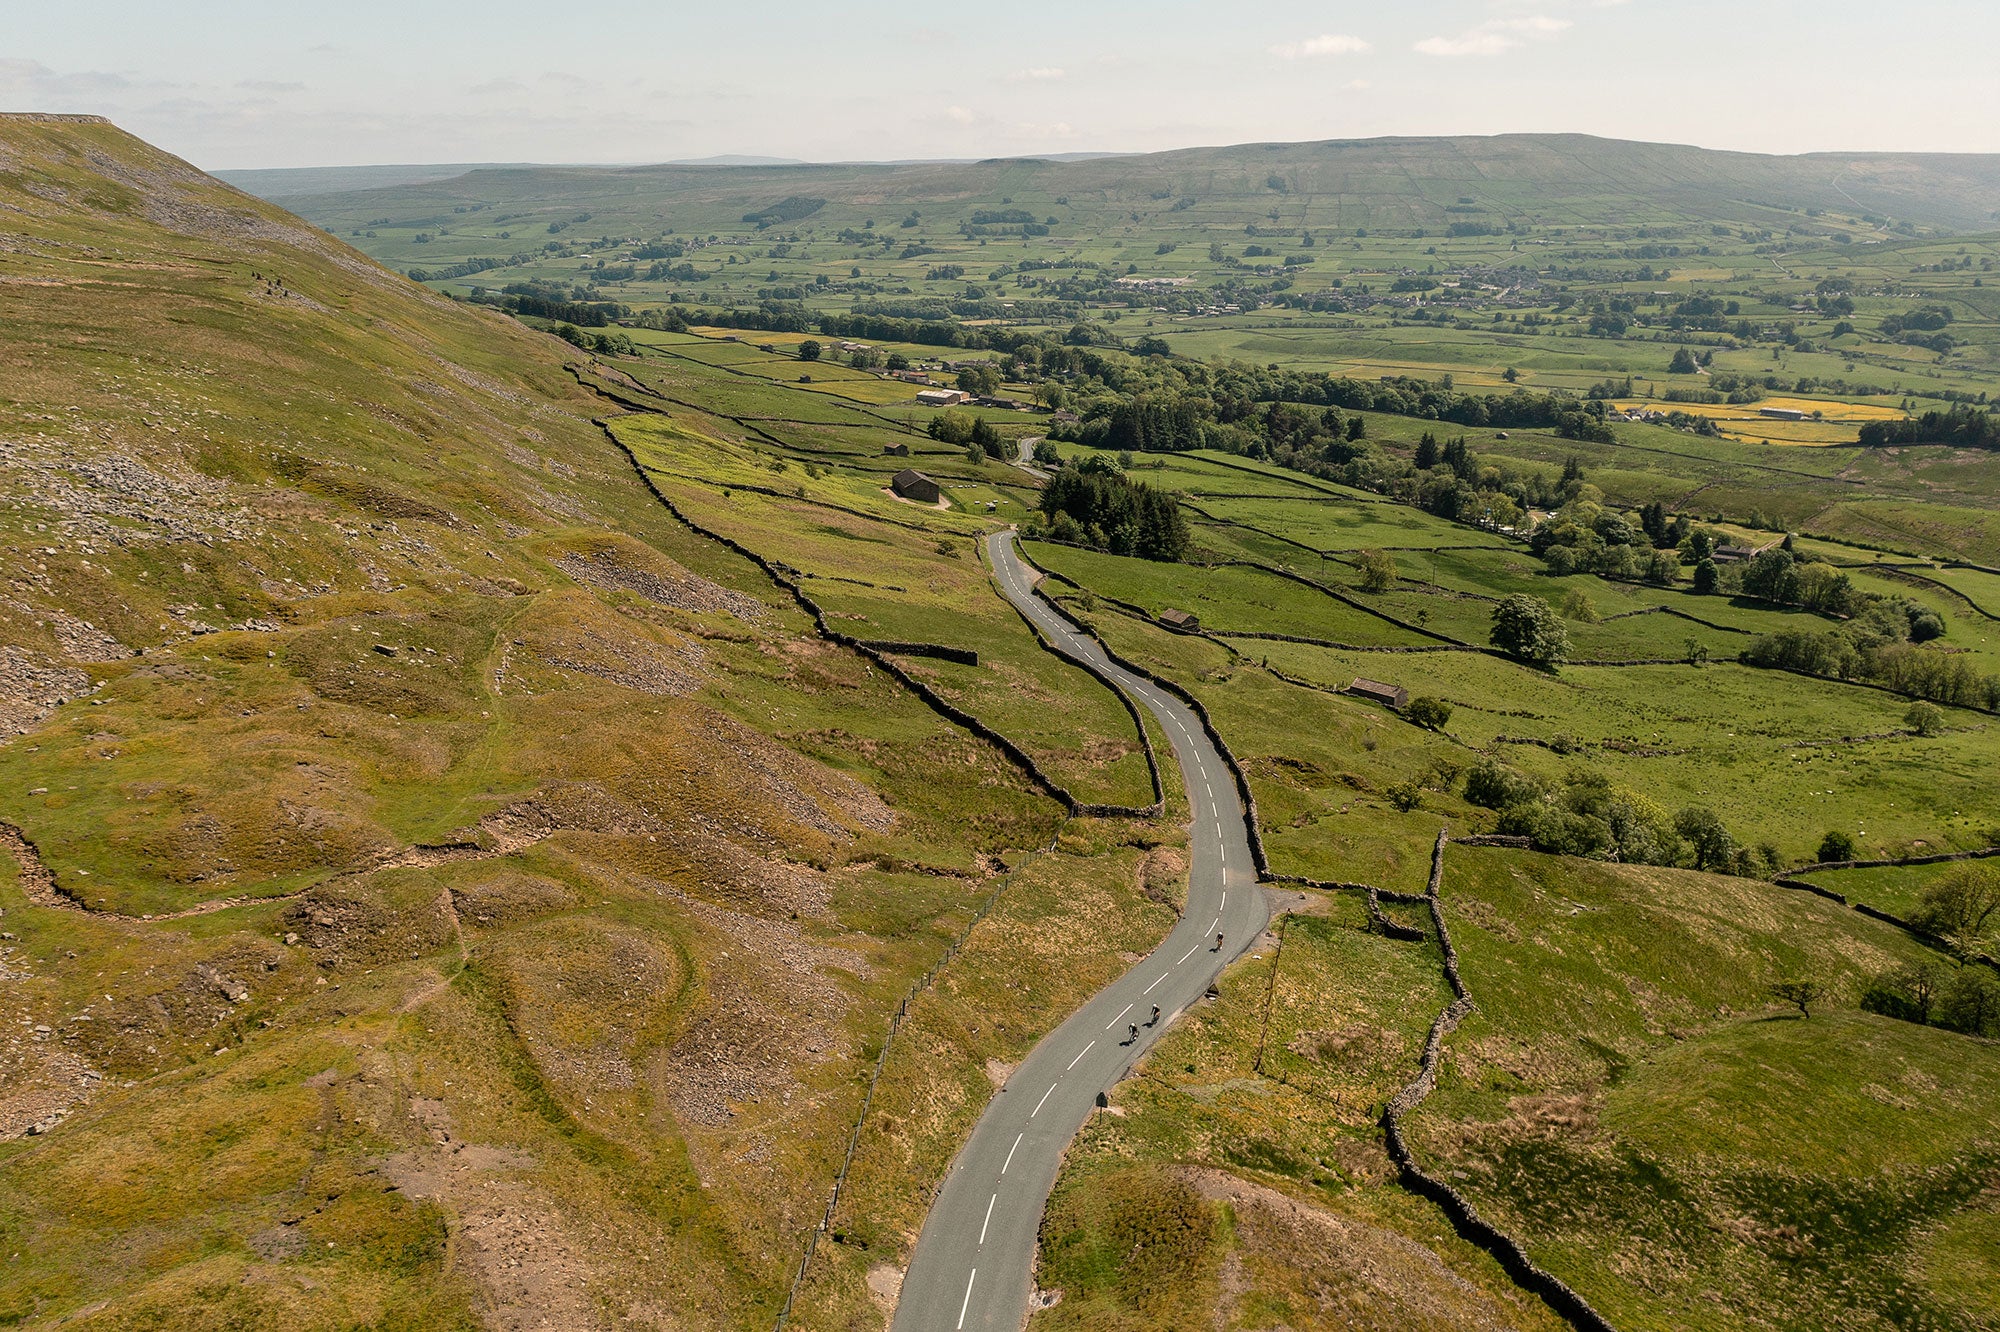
(439, 887)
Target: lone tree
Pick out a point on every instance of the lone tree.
(1960, 906)
(809, 350)
(1801, 994)
(1924, 718)
(1707, 578)
(1378, 570)
(1429, 713)
(1707, 838)
(1836, 846)
(1525, 627)
(1578, 606)
(1683, 362)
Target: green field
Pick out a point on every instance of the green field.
(452, 890)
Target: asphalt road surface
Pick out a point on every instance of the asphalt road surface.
(973, 1262)
(1025, 457)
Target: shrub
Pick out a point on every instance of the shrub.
(1969, 1002)
(1924, 718)
(1712, 846)
(1907, 992)
(1406, 796)
(1378, 570)
(1429, 713)
(1491, 786)
(1960, 906)
(1558, 831)
(1525, 627)
(1836, 846)
(1578, 606)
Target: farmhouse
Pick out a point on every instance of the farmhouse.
(900, 449)
(1184, 621)
(1394, 696)
(1782, 413)
(941, 397)
(914, 485)
(910, 376)
(1734, 554)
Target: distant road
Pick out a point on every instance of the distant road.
(1025, 459)
(973, 1262)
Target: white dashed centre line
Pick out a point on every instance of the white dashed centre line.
(1149, 988)
(967, 1304)
(989, 1218)
(1188, 954)
(1011, 1150)
(1114, 1021)
(1079, 1054)
(1044, 1101)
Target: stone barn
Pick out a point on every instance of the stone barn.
(914, 485)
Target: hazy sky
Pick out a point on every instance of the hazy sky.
(276, 83)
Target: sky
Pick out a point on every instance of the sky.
(229, 84)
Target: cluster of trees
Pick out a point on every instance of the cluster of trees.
(790, 209)
(1584, 536)
(608, 344)
(1882, 638)
(967, 431)
(1963, 908)
(1779, 575)
(1959, 425)
(1093, 503)
(466, 268)
(541, 300)
(1584, 815)
(1869, 648)
(1964, 999)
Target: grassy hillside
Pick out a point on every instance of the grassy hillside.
(1397, 182)
(442, 887)
(439, 887)
(1545, 262)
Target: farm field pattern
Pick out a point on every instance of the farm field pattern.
(516, 810)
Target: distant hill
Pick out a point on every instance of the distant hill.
(286, 182)
(1545, 179)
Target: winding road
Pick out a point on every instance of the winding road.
(973, 1264)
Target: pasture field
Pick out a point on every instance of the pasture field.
(1366, 277)
(921, 580)
(1638, 1087)
(1790, 757)
(1897, 889)
(1623, 1045)
(518, 814)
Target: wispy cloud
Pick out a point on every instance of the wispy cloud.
(1494, 36)
(1038, 74)
(1326, 44)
